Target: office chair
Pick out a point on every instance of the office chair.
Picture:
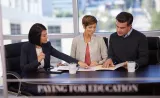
(106, 41)
(12, 55)
(154, 50)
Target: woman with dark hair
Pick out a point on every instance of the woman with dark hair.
(36, 53)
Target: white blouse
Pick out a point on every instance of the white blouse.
(38, 51)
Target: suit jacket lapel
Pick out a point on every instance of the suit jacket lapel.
(33, 52)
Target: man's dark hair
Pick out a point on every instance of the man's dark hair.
(35, 33)
(125, 17)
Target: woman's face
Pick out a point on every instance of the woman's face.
(44, 37)
(90, 29)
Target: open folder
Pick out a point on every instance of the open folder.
(94, 68)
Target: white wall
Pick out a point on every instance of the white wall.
(157, 3)
(5, 3)
(0, 65)
(66, 27)
(6, 29)
(6, 26)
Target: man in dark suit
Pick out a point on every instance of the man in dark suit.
(127, 44)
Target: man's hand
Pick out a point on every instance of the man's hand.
(125, 65)
(41, 56)
(108, 63)
(82, 64)
(93, 63)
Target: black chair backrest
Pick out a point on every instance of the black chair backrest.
(154, 50)
(12, 54)
(106, 41)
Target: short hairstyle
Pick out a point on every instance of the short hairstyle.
(88, 20)
(35, 33)
(125, 17)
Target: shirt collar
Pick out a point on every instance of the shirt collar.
(92, 37)
(128, 33)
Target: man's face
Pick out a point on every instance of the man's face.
(122, 28)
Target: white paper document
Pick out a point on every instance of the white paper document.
(63, 68)
(94, 68)
(119, 65)
(79, 69)
(87, 69)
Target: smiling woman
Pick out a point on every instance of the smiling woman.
(88, 47)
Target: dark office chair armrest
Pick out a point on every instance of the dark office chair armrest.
(15, 74)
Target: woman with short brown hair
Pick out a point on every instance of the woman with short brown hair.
(88, 47)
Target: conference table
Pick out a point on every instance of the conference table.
(145, 81)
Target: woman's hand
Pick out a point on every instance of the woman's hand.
(93, 63)
(82, 64)
(41, 56)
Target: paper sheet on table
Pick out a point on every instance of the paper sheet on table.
(87, 69)
(63, 68)
(99, 67)
(79, 69)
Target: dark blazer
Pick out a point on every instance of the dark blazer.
(29, 61)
